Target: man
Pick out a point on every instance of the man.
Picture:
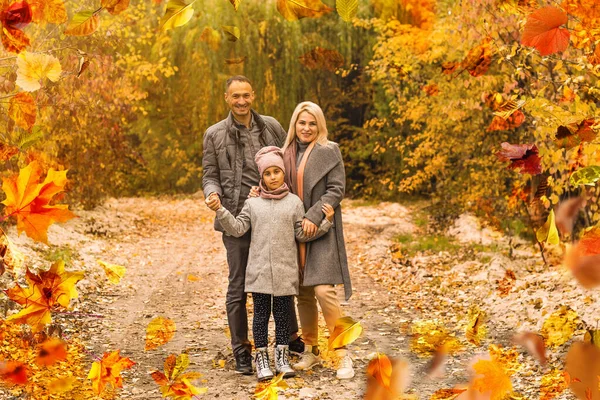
(229, 172)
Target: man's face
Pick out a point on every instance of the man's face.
(239, 97)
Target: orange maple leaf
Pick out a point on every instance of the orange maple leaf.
(29, 201)
(543, 31)
(44, 291)
(13, 372)
(108, 371)
(51, 351)
(174, 382)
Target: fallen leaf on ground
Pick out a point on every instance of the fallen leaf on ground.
(174, 382)
(114, 272)
(559, 327)
(159, 331)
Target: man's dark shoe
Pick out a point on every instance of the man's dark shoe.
(243, 363)
(296, 346)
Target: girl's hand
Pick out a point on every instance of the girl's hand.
(309, 228)
(213, 202)
(328, 211)
(254, 192)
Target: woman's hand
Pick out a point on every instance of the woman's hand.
(328, 211)
(213, 202)
(254, 192)
(309, 228)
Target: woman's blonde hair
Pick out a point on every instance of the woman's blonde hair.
(315, 111)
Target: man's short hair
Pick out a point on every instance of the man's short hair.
(239, 78)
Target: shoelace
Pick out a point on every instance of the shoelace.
(346, 362)
(262, 361)
(283, 355)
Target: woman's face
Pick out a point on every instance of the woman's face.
(306, 127)
(273, 177)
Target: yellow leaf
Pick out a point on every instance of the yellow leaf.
(269, 390)
(35, 67)
(115, 7)
(552, 384)
(345, 332)
(231, 32)
(560, 326)
(491, 379)
(84, 23)
(430, 335)
(548, 232)
(192, 278)
(62, 385)
(51, 11)
(178, 14)
(174, 383)
(22, 110)
(293, 10)
(476, 329)
(160, 331)
(235, 4)
(113, 272)
(347, 9)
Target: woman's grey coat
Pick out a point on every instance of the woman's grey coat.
(325, 182)
(273, 259)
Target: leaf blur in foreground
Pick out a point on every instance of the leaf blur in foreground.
(51, 351)
(583, 365)
(583, 259)
(560, 326)
(44, 291)
(178, 14)
(114, 272)
(380, 385)
(491, 378)
(269, 390)
(108, 371)
(159, 331)
(345, 332)
(534, 344)
(14, 372)
(293, 10)
(51, 11)
(548, 233)
(33, 68)
(543, 31)
(524, 157)
(115, 7)
(347, 9)
(84, 23)
(22, 110)
(173, 382)
(573, 134)
(29, 201)
(380, 368)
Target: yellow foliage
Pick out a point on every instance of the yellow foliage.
(559, 327)
(492, 379)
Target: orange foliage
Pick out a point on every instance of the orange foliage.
(108, 371)
(543, 31)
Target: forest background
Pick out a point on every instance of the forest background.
(128, 113)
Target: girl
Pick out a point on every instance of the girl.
(272, 271)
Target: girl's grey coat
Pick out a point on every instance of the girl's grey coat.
(273, 259)
(325, 182)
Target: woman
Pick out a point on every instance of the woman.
(315, 173)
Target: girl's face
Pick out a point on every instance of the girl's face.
(306, 127)
(273, 177)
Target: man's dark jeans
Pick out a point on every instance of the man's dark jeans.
(237, 316)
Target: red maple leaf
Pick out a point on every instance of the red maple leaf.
(523, 157)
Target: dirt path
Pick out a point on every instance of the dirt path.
(176, 268)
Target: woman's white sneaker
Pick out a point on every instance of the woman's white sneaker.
(307, 359)
(345, 367)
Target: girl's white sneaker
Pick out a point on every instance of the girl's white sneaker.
(307, 359)
(345, 367)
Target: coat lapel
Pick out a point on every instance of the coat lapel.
(320, 162)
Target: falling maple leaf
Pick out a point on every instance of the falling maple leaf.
(476, 329)
(293, 10)
(173, 382)
(571, 135)
(567, 212)
(108, 371)
(23, 110)
(178, 14)
(478, 59)
(48, 11)
(583, 365)
(115, 7)
(534, 344)
(84, 23)
(380, 368)
(114, 272)
(543, 31)
(559, 327)
(33, 68)
(548, 233)
(345, 332)
(491, 378)
(14, 40)
(48, 289)
(51, 351)
(590, 241)
(320, 58)
(387, 378)
(159, 331)
(269, 390)
(28, 201)
(14, 372)
(524, 157)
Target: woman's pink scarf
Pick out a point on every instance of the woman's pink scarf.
(277, 194)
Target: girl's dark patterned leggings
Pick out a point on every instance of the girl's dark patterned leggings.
(262, 314)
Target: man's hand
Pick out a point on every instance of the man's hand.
(254, 192)
(309, 228)
(328, 211)
(213, 202)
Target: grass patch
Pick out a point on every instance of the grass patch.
(412, 245)
(65, 253)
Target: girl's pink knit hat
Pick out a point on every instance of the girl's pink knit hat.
(270, 156)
